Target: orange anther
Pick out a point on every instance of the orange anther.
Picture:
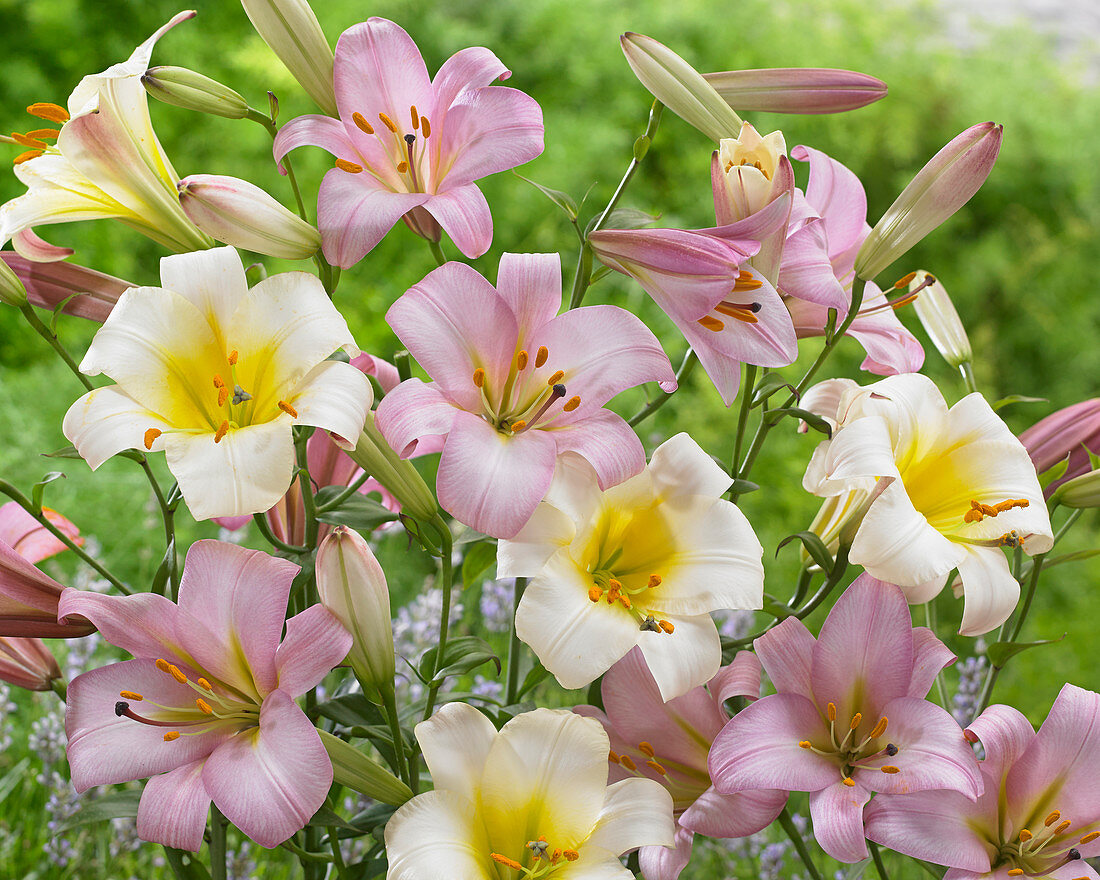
(518, 425)
(151, 437)
(219, 382)
(654, 581)
(131, 695)
(830, 711)
(425, 126)
(555, 378)
(223, 396)
(504, 860)
(856, 720)
(52, 112)
(386, 121)
(288, 409)
(25, 141)
(521, 360)
(204, 684)
(646, 749)
(171, 736)
(657, 768)
(711, 323)
(904, 280)
(415, 117)
(541, 355)
(1015, 872)
(889, 768)
(571, 855)
(805, 744)
(1063, 827)
(1052, 818)
(349, 167)
(613, 758)
(402, 167)
(204, 706)
(174, 671)
(848, 781)
(479, 377)
(44, 134)
(595, 594)
(666, 626)
(1088, 838)
(1025, 835)
(972, 516)
(362, 123)
(572, 404)
(626, 761)
(748, 284)
(880, 728)
(163, 665)
(26, 157)
(223, 429)
(624, 600)
(234, 355)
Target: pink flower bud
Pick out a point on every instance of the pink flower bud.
(27, 663)
(796, 89)
(1074, 432)
(85, 292)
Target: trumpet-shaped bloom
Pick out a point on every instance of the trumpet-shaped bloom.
(1039, 815)
(849, 717)
(206, 707)
(407, 145)
(532, 798)
(217, 375)
(669, 743)
(515, 385)
(642, 564)
(106, 162)
(961, 487)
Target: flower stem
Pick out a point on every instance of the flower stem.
(337, 856)
(55, 343)
(390, 702)
(437, 252)
(512, 682)
(344, 494)
(743, 415)
(306, 486)
(877, 857)
(269, 536)
(217, 844)
(799, 844)
(686, 366)
(167, 513)
(967, 371)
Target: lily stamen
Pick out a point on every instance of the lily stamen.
(52, 112)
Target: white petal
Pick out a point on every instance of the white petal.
(990, 592)
(437, 834)
(547, 531)
(334, 396)
(684, 659)
(106, 421)
(679, 466)
(455, 742)
(636, 812)
(213, 280)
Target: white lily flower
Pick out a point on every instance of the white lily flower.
(961, 487)
(106, 163)
(532, 798)
(643, 563)
(216, 375)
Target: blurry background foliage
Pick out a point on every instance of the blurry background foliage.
(1019, 260)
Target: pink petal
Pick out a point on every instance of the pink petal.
(802, 90)
(491, 482)
(741, 678)
(378, 69)
(269, 780)
(22, 532)
(837, 813)
(464, 215)
(412, 411)
(745, 235)
(143, 624)
(941, 827)
(837, 196)
(930, 655)
(233, 523)
(733, 815)
(472, 68)
(173, 808)
(354, 214)
(315, 642)
(490, 130)
(240, 596)
(607, 442)
(531, 285)
(1005, 734)
(317, 131)
(30, 246)
(662, 863)
(806, 272)
(786, 653)
(759, 748)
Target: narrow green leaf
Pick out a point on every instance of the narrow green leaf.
(768, 385)
(819, 553)
(357, 511)
(563, 200)
(112, 805)
(326, 817)
(999, 652)
(743, 487)
(350, 710)
(812, 419)
(536, 674)
(12, 778)
(63, 452)
(39, 488)
(1016, 398)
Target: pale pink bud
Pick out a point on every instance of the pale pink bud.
(241, 214)
(85, 292)
(941, 322)
(28, 601)
(941, 187)
(27, 663)
(796, 89)
(1074, 432)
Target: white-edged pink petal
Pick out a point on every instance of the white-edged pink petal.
(733, 815)
(412, 411)
(143, 624)
(837, 813)
(837, 196)
(354, 214)
(318, 131)
(942, 827)
(173, 808)
(930, 655)
(464, 215)
(531, 285)
(455, 742)
(806, 272)
(606, 442)
(472, 68)
(739, 678)
(1004, 733)
(315, 642)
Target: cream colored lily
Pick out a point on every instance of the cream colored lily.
(217, 375)
(106, 163)
(959, 487)
(530, 801)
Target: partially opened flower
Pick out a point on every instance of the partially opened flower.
(669, 742)
(1039, 815)
(207, 706)
(515, 385)
(531, 800)
(961, 489)
(641, 564)
(217, 375)
(849, 717)
(408, 145)
(106, 162)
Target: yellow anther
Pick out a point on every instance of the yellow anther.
(52, 112)
(571, 855)
(518, 425)
(848, 781)
(1015, 872)
(349, 167)
(204, 706)
(856, 720)
(654, 581)
(541, 355)
(25, 141)
(26, 157)
(288, 409)
(595, 594)
(402, 167)
(572, 404)
(415, 117)
(361, 123)
(904, 281)
(1052, 818)
(223, 429)
(521, 360)
(556, 377)
(151, 437)
(171, 736)
(880, 728)
(223, 396)
(425, 126)
(174, 671)
(386, 121)
(1063, 827)
(44, 134)
(830, 711)
(219, 382)
(805, 744)
(1025, 835)
(204, 684)
(890, 768)
(656, 768)
(479, 377)
(234, 356)
(613, 758)
(131, 695)
(666, 626)
(711, 323)
(646, 749)
(504, 860)
(629, 764)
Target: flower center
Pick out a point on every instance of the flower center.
(689, 783)
(739, 311)
(526, 396)
(1038, 853)
(849, 748)
(544, 859)
(34, 141)
(408, 153)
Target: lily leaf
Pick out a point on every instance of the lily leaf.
(112, 805)
(481, 557)
(999, 652)
(356, 511)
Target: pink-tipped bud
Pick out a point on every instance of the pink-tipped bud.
(85, 293)
(796, 89)
(941, 187)
(28, 663)
(1072, 432)
(352, 586)
(241, 214)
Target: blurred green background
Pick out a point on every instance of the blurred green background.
(1018, 259)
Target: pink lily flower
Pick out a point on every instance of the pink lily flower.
(1074, 432)
(407, 145)
(669, 742)
(849, 717)
(207, 706)
(1039, 815)
(90, 294)
(514, 386)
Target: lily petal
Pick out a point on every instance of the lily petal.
(636, 812)
(464, 215)
(173, 808)
(687, 659)
(412, 411)
(837, 813)
(606, 442)
(315, 642)
(661, 863)
(435, 834)
(733, 815)
(455, 742)
(786, 653)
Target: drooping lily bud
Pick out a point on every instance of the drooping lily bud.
(28, 663)
(375, 456)
(941, 187)
(940, 320)
(185, 88)
(796, 89)
(352, 586)
(241, 214)
(679, 86)
(12, 291)
(292, 32)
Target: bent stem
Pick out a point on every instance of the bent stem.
(799, 844)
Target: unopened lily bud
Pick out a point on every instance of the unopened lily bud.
(796, 89)
(940, 320)
(375, 456)
(185, 88)
(1072, 432)
(12, 291)
(1082, 491)
(292, 32)
(352, 586)
(679, 86)
(241, 214)
(28, 663)
(941, 187)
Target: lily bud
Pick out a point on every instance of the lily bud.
(352, 768)
(1082, 491)
(241, 214)
(941, 322)
(76, 289)
(28, 663)
(1073, 431)
(375, 456)
(12, 291)
(679, 86)
(796, 89)
(185, 88)
(28, 601)
(352, 586)
(941, 187)
(292, 32)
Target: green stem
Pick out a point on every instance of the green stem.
(55, 343)
(512, 682)
(877, 856)
(304, 855)
(967, 371)
(167, 513)
(582, 277)
(217, 844)
(437, 252)
(344, 495)
(265, 530)
(337, 856)
(686, 366)
(59, 687)
(390, 702)
(743, 415)
(932, 622)
(24, 502)
(799, 844)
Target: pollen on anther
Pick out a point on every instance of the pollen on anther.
(479, 377)
(163, 665)
(44, 134)
(361, 123)
(1015, 872)
(233, 357)
(504, 860)
(646, 749)
(654, 581)
(1090, 837)
(656, 768)
(571, 855)
(386, 121)
(856, 720)
(711, 323)
(848, 781)
(880, 728)
(666, 626)
(174, 671)
(52, 112)
(402, 167)
(831, 711)
(613, 758)
(223, 429)
(415, 117)
(571, 404)
(521, 360)
(425, 126)
(288, 409)
(151, 437)
(1025, 835)
(219, 382)
(131, 695)
(204, 684)
(628, 763)
(171, 736)
(26, 157)
(1062, 827)
(204, 706)
(349, 167)
(555, 378)
(1052, 818)
(595, 594)
(541, 355)
(904, 281)
(223, 396)
(518, 425)
(890, 768)
(27, 141)
(805, 744)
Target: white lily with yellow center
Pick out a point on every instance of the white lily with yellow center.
(530, 801)
(216, 375)
(643, 563)
(932, 489)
